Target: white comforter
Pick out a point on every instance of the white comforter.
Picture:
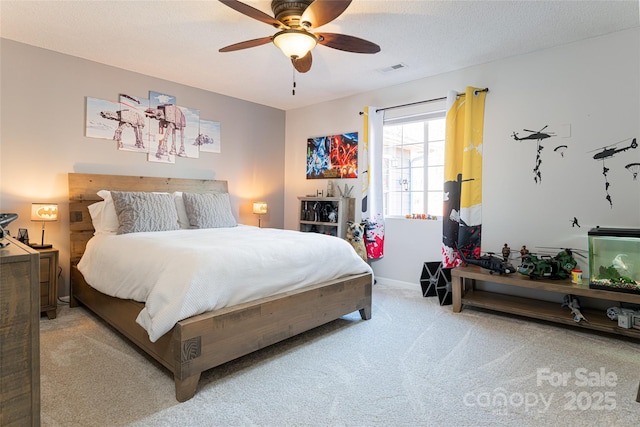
(182, 273)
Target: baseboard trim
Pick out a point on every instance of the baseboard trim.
(398, 283)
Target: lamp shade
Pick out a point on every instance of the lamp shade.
(294, 43)
(259, 208)
(44, 212)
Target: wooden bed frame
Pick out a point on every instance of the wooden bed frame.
(210, 339)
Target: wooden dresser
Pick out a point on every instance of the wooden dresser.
(19, 335)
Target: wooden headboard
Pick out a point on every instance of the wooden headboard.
(83, 189)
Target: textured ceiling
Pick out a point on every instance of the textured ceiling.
(179, 40)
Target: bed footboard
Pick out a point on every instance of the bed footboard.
(210, 339)
(214, 338)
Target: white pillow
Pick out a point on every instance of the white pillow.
(103, 215)
(109, 220)
(183, 219)
(95, 210)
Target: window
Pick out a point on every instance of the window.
(413, 165)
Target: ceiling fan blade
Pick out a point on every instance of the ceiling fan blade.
(246, 44)
(302, 65)
(321, 12)
(254, 13)
(347, 43)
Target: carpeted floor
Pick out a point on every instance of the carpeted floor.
(413, 364)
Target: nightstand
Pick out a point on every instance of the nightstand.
(49, 281)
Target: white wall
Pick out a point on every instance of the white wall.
(42, 139)
(592, 85)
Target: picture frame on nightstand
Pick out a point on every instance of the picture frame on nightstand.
(23, 235)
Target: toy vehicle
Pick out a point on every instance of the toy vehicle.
(492, 263)
(6, 218)
(547, 267)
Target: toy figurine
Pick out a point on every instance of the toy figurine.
(2, 234)
(330, 188)
(524, 251)
(573, 303)
(506, 252)
(347, 191)
(330, 214)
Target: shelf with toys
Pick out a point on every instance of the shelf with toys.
(614, 278)
(326, 215)
(465, 293)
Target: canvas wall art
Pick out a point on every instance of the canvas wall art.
(333, 156)
(209, 138)
(96, 125)
(155, 125)
(133, 127)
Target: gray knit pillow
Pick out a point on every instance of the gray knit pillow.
(138, 211)
(209, 210)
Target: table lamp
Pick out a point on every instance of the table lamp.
(259, 208)
(43, 212)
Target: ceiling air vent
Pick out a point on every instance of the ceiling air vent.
(395, 67)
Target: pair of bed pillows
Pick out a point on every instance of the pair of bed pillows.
(124, 212)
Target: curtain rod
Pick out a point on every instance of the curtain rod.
(423, 102)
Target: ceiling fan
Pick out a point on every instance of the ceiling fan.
(294, 19)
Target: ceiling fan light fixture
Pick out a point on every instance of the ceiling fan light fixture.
(295, 43)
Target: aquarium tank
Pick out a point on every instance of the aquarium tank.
(614, 259)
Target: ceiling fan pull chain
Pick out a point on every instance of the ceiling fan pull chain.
(293, 91)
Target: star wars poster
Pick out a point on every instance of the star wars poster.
(333, 156)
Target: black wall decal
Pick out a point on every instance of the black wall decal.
(608, 152)
(537, 136)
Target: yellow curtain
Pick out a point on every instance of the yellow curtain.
(462, 222)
